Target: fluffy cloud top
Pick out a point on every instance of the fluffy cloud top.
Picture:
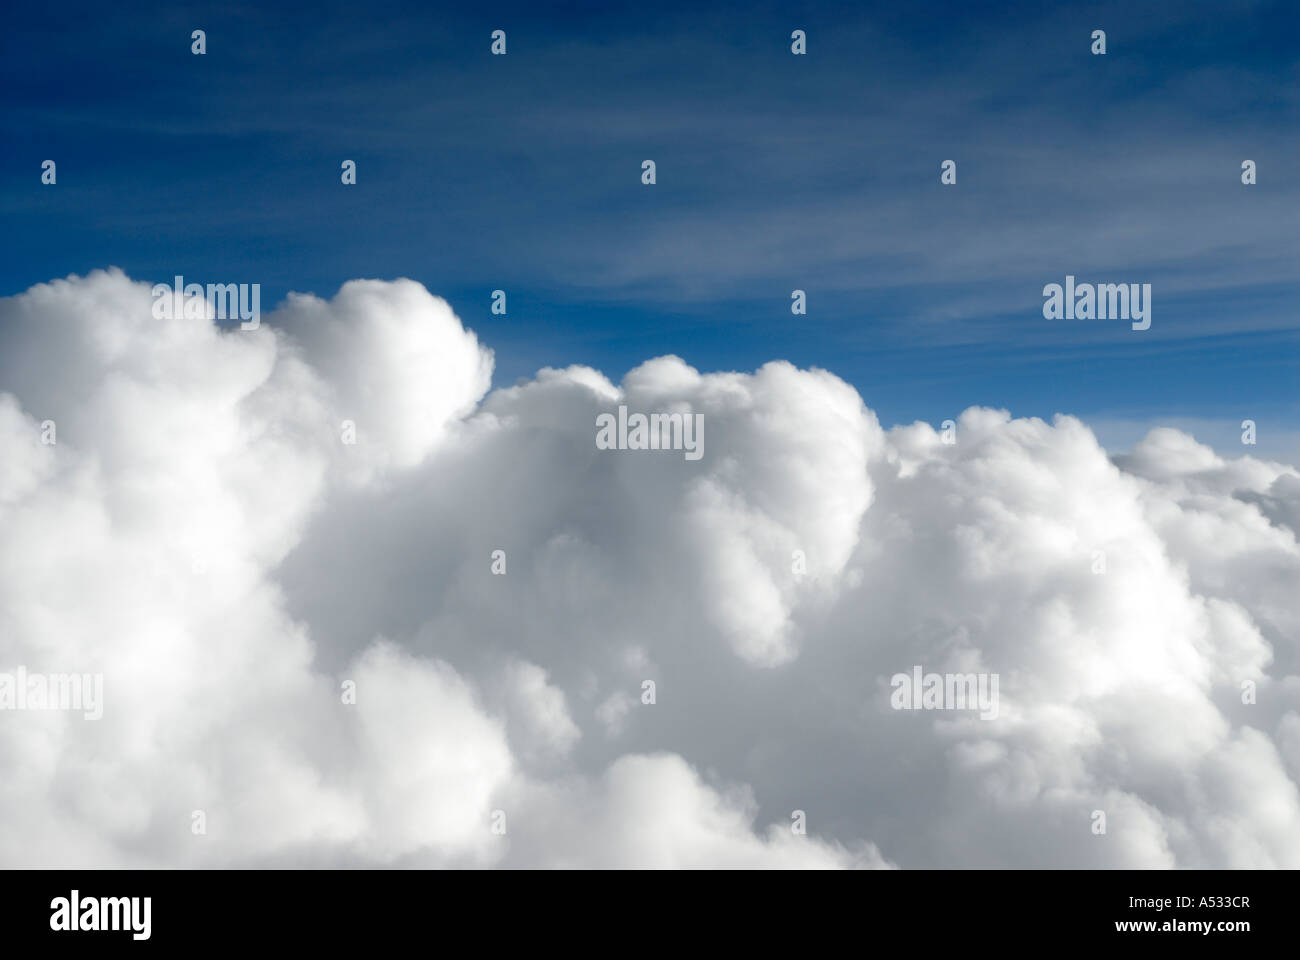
(305, 639)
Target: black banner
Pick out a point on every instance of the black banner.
(935, 910)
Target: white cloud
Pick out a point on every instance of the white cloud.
(202, 537)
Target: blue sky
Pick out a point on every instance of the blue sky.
(775, 172)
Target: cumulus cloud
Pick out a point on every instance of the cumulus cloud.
(471, 638)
